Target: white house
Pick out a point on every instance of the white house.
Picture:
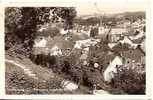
(140, 35)
(56, 51)
(118, 30)
(143, 46)
(63, 32)
(111, 69)
(41, 42)
(101, 30)
(86, 43)
(96, 65)
(126, 40)
(111, 45)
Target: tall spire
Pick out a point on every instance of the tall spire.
(99, 13)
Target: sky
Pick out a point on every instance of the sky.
(86, 7)
(109, 6)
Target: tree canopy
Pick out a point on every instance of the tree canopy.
(21, 23)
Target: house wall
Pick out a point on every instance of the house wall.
(111, 69)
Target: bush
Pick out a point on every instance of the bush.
(18, 24)
(19, 81)
(131, 79)
(49, 31)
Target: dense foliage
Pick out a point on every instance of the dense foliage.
(131, 78)
(21, 24)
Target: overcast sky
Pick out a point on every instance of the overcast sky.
(86, 7)
(111, 6)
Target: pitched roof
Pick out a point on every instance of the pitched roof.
(138, 40)
(119, 47)
(79, 36)
(126, 39)
(133, 54)
(143, 45)
(60, 42)
(111, 45)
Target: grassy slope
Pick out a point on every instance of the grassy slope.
(42, 73)
(17, 79)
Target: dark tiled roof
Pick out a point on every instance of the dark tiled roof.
(133, 54)
(60, 42)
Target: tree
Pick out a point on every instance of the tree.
(68, 14)
(22, 22)
(131, 78)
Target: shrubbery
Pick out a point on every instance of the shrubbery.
(21, 24)
(19, 83)
(49, 31)
(131, 79)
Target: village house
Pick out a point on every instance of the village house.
(143, 46)
(126, 23)
(80, 44)
(39, 46)
(53, 46)
(101, 30)
(63, 31)
(115, 37)
(125, 57)
(112, 68)
(59, 46)
(139, 38)
(127, 40)
(111, 45)
(134, 54)
(40, 42)
(118, 30)
(56, 51)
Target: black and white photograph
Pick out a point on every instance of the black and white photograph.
(89, 49)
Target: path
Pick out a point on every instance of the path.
(27, 71)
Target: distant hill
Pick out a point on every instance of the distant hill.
(139, 14)
(123, 14)
(95, 18)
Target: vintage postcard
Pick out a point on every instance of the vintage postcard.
(74, 49)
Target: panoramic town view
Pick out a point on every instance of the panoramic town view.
(57, 50)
